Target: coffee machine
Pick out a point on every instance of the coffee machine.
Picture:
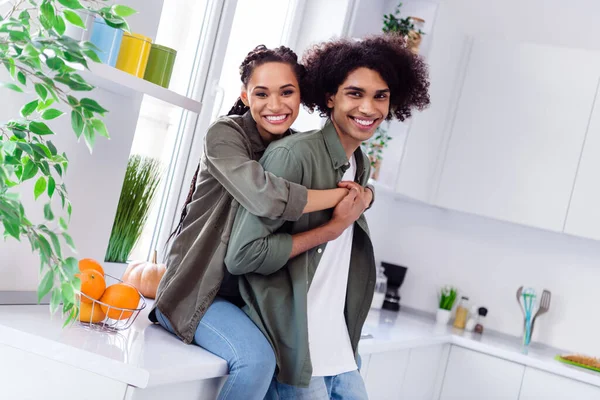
(395, 277)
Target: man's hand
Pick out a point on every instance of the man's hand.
(346, 212)
(365, 194)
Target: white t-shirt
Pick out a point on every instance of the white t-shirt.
(329, 343)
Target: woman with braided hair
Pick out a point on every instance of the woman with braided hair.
(197, 299)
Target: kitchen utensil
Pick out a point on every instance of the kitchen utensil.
(543, 308)
(529, 303)
(519, 296)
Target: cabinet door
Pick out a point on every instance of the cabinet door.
(426, 367)
(385, 375)
(518, 132)
(475, 376)
(583, 218)
(29, 376)
(540, 385)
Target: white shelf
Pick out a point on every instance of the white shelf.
(116, 81)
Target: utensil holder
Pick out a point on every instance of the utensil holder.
(108, 41)
(133, 55)
(160, 65)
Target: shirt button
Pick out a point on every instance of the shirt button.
(319, 250)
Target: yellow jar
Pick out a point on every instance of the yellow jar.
(133, 55)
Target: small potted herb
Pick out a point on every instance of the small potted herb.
(447, 297)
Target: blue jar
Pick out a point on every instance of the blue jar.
(108, 41)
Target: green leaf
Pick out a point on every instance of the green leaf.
(29, 108)
(55, 300)
(48, 12)
(72, 266)
(77, 123)
(51, 114)
(92, 105)
(90, 137)
(46, 284)
(63, 223)
(51, 186)
(21, 78)
(48, 214)
(40, 128)
(51, 147)
(55, 243)
(40, 187)
(25, 147)
(29, 171)
(59, 25)
(11, 86)
(41, 91)
(72, 4)
(13, 229)
(92, 55)
(123, 11)
(74, 18)
(69, 240)
(55, 63)
(100, 127)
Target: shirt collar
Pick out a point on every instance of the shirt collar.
(338, 154)
(253, 133)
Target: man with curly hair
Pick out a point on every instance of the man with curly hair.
(311, 304)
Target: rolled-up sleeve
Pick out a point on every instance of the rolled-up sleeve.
(261, 245)
(262, 193)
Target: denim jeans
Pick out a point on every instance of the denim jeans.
(347, 386)
(226, 331)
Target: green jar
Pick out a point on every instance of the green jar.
(160, 65)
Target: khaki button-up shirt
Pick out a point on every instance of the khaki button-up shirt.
(229, 173)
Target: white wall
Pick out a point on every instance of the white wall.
(487, 259)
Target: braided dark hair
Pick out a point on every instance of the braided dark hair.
(257, 57)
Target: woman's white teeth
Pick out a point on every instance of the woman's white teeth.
(364, 122)
(276, 117)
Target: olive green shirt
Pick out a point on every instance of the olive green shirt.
(275, 287)
(229, 174)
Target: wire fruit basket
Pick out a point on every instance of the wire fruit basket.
(99, 315)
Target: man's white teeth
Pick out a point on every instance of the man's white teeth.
(276, 117)
(364, 122)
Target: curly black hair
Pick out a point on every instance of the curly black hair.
(328, 65)
(262, 55)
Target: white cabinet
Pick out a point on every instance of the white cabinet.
(475, 376)
(540, 385)
(583, 218)
(27, 376)
(518, 132)
(414, 374)
(385, 374)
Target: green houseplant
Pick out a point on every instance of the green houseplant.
(42, 61)
(139, 187)
(446, 298)
(404, 26)
(373, 148)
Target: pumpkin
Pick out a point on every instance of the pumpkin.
(145, 276)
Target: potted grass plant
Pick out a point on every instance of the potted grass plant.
(447, 296)
(141, 181)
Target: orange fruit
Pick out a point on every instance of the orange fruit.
(86, 314)
(120, 295)
(88, 263)
(92, 284)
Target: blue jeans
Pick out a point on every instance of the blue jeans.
(347, 386)
(226, 331)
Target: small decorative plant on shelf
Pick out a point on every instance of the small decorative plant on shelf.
(142, 177)
(447, 296)
(373, 148)
(405, 27)
(44, 63)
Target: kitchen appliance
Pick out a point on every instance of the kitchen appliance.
(395, 277)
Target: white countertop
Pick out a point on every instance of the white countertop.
(146, 355)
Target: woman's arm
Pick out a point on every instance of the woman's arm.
(324, 199)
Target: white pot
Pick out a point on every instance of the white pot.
(442, 317)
